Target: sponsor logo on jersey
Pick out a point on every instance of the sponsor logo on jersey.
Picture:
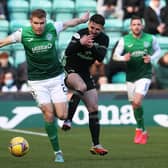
(49, 36)
(130, 45)
(146, 44)
(41, 48)
(30, 39)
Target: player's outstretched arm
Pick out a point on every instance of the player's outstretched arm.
(6, 41)
(83, 19)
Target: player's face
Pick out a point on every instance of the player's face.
(94, 28)
(38, 25)
(136, 27)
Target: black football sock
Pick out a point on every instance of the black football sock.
(73, 103)
(94, 127)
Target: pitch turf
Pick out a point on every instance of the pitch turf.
(76, 143)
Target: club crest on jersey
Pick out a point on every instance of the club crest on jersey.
(146, 44)
(49, 37)
(77, 35)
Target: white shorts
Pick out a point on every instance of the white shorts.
(49, 90)
(140, 86)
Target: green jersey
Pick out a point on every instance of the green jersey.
(138, 47)
(41, 55)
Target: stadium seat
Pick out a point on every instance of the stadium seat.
(16, 24)
(113, 24)
(64, 39)
(163, 42)
(4, 25)
(18, 15)
(18, 6)
(18, 9)
(7, 49)
(126, 25)
(3, 34)
(63, 6)
(18, 53)
(41, 4)
(81, 26)
(108, 56)
(113, 41)
(4, 28)
(86, 5)
(119, 77)
(61, 16)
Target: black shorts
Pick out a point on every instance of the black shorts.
(88, 79)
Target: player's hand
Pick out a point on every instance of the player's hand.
(127, 56)
(84, 18)
(87, 40)
(147, 59)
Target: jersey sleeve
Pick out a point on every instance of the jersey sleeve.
(16, 36)
(156, 50)
(58, 26)
(119, 50)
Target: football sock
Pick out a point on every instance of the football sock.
(73, 103)
(94, 127)
(51, 130)
(138, 113)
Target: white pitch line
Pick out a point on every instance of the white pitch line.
(25, 132)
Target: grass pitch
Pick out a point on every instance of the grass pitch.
(75, 145)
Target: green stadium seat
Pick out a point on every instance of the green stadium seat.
(7, 49)
(126, 25)
(16, 24)
(4, 25)
(18, 15)
(81, 26)
(18, 54)
(114, 33)
(64, 39)
(41, 4)
(18, 6)
(119, 77)
(163, 42)
(113, 24)
(86, 5)
(108, 56)
(63, 6)
(63, 16)
(3, 34)
(18, 9)
(113, 41)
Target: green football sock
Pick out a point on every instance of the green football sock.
(138, 114)
(51, 130)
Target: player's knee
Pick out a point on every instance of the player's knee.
(47, 113)
(94, 107)
(62, 116)
(82, 87)
(136, 104)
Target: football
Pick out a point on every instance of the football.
(18, 146)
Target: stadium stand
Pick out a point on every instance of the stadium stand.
(18, 9)
(62, 10)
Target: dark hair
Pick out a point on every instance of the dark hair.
(136, 17)
(40, 13)
(99, 19)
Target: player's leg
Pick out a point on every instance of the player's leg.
(75, 82)
(131, 93)
(136, 93)
(142, 87)
(73, 103)
(42, 95)
(90, 99)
